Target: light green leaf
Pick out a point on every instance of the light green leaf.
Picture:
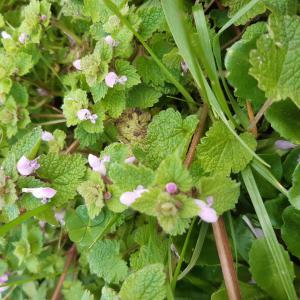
(261, 260)
(114, 102)
(274, 61)
(58, 143)
(108, 294)
(221, 152)
(105, 261)
(145, 284)
(294, 192)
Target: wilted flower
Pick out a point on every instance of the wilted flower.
(3, 279)
(85, 114)
(130, 160)
(43, 193)
(171, 188)
(110, 41)
(128, 198)
(112, 78)
(77, 64)
(47, 136)
(60, 217)
(284, 145)
(6, 36)
(23, 37)
(207, 213)
(184, 67)
(26, 167)
(97, 164)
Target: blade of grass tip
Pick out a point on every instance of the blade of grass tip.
(271, 240)
(24, 217)
(196, 252)
(166, 72)
(266, 174)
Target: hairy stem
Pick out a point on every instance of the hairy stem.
(251, 118)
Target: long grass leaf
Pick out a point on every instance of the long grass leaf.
(273, 245)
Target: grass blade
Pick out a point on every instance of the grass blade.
(269, 233)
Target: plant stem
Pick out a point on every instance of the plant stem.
(48, 116)
(71, 255)
(226, 260)
(72, 147)
(51, 122)
(261, 112)
(251, 118)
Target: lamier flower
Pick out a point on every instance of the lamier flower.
(284, 145)
(110, 41)
(43, 193)
(111, 79)
(130, 160)
(23, 37)
(47, 136)
(26, 166)
(60, 217)
(85, 114)
(77, 64)
(206, 212)
(3, 280)
(128, 198)
(97, 164)
(6, 36)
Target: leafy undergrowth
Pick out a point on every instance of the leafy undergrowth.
(101, 180)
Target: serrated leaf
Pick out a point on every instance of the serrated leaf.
(146, 284)
(108, 294)
(167, 132)
(260, 260)
(224, 190)
(284, 117)
(274, 60)
(64, 172)
(114, 102)
(294, 192)
(105, 261)
(85, 138)
(58, 143)
(290, 230)
(221, 152)
(142, 96)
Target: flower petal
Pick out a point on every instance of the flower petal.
(26, 167)
(47, 136)
(111, 79)
(284, 145)
(128, 198)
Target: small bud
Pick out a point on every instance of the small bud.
(107, 195)
(42, 224)
(43, 18)
(42, 92)
(171, 188)
(77, 64)
(26, 167)
(128, 198)
(43, 193)
(47, 136)
(6, 36)
(110, 41)
(284, 145)
(111, 79)
(206, 213)
(130, 160)
(23, 37)
(60, 217)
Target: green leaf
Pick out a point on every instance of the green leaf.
(114, 102)
(142, 96)
(221, 152)
(290, 230)
(73, 102)
(224, 190)
(276, 53)
(285, 119)
(64, 172)
(8, 193)
(123, 67)
(260, 260)
(294, 192)
(58, 143)
(146, 284)
(92, 193)
(105, 261)
(167, 132)
(108, 294)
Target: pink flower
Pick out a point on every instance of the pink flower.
(77, 64)
(85, 114)
(130, 160)
(6, 36)
(128, 198)
(26, 167)
(47, 136)
(97, 164)
(206, 213)
(110, 41)
(3, 279)
(43, 193)
(171, 188)
(43, 18)
(23, 37)
(60, 217)
(284, 145)
(112, 79)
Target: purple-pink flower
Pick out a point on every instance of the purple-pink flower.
(60, 217)
(171, 188)
(77, 64)
(23, 37)
(3, 279)
(284, 145)
(85, 114)
(206, 212)
(47, 136)
(6, 36)
(26, 166)
(110, 41)
(97, 164)
(112, 79)
(128, 198)
(130, 160)
(43, 193)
